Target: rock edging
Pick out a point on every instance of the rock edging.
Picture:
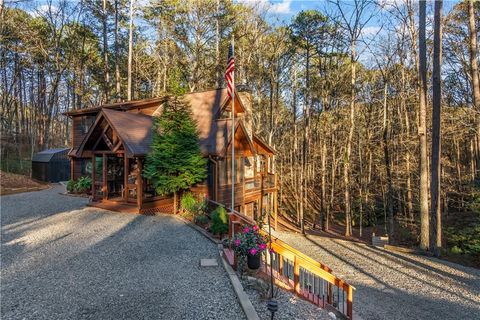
(242, 297)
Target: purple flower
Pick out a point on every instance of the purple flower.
(262, 246)
(255, 228)
(246, 230)
(253, 251)
(271, 251)
(237, 242)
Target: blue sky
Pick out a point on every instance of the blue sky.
(282, 11)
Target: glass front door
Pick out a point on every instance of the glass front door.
(98, 176)
(115, 176)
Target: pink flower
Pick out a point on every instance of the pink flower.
(237, 242)
(246, 230)
(255, 228)
(262, 246)
(253, 251)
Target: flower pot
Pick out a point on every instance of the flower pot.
(253, 261)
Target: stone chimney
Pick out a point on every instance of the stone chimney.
(245, 94)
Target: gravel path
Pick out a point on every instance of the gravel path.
(61, 260)
(397, 285)
(290, 307)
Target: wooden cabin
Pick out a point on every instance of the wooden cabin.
(109, 143)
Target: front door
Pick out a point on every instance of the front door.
(115, 176)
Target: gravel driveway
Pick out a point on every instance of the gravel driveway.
(61, 260)
(397, 285)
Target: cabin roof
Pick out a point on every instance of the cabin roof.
(209, 102)
(134, 129)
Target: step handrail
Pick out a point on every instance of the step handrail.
(300, 260)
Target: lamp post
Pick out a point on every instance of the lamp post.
(272, 304)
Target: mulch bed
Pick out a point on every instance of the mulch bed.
(11, 183)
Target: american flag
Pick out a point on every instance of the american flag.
(229, 71)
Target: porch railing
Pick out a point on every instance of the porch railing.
(255, 183)
(297, 272)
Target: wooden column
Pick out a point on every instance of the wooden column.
(350, 302)
(93, 177)
(72, 165)
(104, 182)
(125, 177)
(139, 184)
(296, 275)
(275, 209)
(261, 198)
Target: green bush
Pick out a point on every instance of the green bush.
(201, 220)
(188, 203)
(82, 185)
(71, 185)
(219, 221)
(456, 250)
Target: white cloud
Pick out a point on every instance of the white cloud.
(275, 7)
(369, 31)
(42, 10)
(282, 7)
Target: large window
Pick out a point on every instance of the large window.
(225, 168)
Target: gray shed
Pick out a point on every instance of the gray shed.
(52, 165)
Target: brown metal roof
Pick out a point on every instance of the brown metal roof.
(134, 129)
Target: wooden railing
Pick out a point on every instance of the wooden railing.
(297, 272)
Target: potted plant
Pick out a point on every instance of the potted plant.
(250, 243)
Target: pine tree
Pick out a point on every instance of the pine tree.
(175, 162)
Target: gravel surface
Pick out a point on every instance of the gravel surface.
(397, 285)
(290, 307)
(61, 260)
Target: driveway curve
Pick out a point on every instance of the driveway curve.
(391, 285)
(62, 260)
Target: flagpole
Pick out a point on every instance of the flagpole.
(233, 129)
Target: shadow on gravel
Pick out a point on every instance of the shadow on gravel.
(379, 303)
(140, 268)
(12, 245)
(422, 267)
(409, 275)
(384, 301)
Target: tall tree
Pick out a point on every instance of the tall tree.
(353, 21)
(105, 51)
(175, 162)
(130, 51)
(422, 127)
(435, 187)
(308, 27)
(117, 55)
(472, 45)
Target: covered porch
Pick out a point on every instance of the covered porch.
(116, 145)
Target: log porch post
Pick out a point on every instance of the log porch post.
(104, 182)
(125, 177)
(139, 184)
(93, 177)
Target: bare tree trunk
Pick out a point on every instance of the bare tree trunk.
(217, 45)
(117, 65)
(422, 128)
(130, 52)
(346, 165)
(386, 153)
(323, 191)
(1, 9)
(474, 67)
(106, 75)
(435, 187)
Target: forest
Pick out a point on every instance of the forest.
(372, 106)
